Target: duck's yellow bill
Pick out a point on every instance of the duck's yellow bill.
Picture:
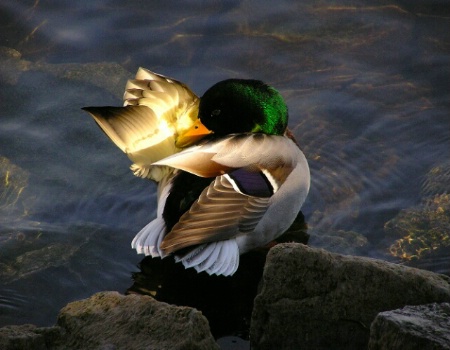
(195, 133)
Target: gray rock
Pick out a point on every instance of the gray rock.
(109, 320)
(313, 299)
(25, 336)
(422, 327)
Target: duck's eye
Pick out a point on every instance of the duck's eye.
(215, 112)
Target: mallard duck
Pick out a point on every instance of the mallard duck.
(230, 176)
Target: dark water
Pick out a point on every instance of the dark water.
(366, 83)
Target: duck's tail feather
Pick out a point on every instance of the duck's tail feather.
(219, 258)
(148, 240)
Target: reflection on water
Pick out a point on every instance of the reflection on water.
(366, 86)
(225, 301)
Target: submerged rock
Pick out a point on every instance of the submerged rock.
(106, 75)
(437, 180)
(13, 180)
(423, 232)
(342, 242)
(109, 320)
(314, 299)
(420, 327)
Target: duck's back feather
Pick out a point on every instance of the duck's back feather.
(275, 154)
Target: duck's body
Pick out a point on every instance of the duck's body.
(236, 190)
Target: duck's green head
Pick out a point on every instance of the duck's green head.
(238, 106)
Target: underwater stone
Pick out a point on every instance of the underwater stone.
(340, 241)
(437, 180)
(423, 230)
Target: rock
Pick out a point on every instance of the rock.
(314, 299)
(109, 320)
(13, 180)
(105, 75)
(424, 230)
(421, 232)
(8, 52)
(420, 327)
(21, 337)
(111, 77)
(437, 180)
(36, 260)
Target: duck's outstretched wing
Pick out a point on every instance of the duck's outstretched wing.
(156, 110)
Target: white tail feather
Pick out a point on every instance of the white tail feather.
(149, 239)
(209, 261)
(197, 256)
(220, 258)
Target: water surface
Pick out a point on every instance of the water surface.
(366, 83)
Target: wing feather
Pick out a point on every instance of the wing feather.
(156, 109)
(220, 213)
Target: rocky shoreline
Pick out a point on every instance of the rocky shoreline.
(309, 298)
